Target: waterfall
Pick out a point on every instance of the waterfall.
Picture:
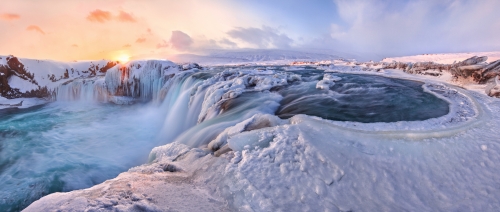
(182, 104)
(137, 80)
(83, 90)
(199, 110)
(196, 106)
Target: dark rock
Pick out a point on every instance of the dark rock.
(191, 66)
(15, 68)
(475, 67)
(222, 150)
(109, 65)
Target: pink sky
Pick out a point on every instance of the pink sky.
(83, 30)
(112, 29)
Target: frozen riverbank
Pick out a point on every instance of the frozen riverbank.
(249, 138)
(305, 163)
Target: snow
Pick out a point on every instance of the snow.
(327, 81)
(145, 188)
(3, 60)
(307, 164)
(43, 69)
(21, 84)
(248, 159)
(26, 102)
(272, 57)
(448, 58)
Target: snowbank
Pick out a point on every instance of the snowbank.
(308, 164)
(225, 156)
(449, 58)
(245, 158)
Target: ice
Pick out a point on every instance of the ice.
(232, 133)
(87, 90)
(220, 147)
(444, 58)
(140, 79)
(327, 82)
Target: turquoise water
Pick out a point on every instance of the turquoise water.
(362, 98)
(67, 146)
(63, 146)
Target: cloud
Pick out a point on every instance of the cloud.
(126, 46)
(35, 28)
(227, 42)
(102, 16)
(9, 16)
(391, 28)
(74, 45)
(265, 37)
(125, 17)
(180, 41)
(162, 45)
(99, 16)
(140, 40)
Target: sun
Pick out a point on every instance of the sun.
(123, 58)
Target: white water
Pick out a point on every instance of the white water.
(64, 146)
(230, 108)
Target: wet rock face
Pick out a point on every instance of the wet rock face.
(15, 68)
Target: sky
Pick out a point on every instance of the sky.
(70, 30)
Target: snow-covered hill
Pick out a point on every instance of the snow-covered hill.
(271, 56)
(37, 78)
(33, 81)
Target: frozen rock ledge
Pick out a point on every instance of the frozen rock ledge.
(160, 186)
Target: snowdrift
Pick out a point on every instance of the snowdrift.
(224, 148)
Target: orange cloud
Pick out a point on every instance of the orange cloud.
(125, 17)
(140, 40)
(162, 45)
(127, 46)
(35, 28)
(9, 16)
(74, 45)
(99, 16)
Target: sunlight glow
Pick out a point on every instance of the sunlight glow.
(123, 58)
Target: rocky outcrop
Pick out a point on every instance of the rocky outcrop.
(475, 68)
(490, 71)
(191, 66)
(15, 68)
(493, 89)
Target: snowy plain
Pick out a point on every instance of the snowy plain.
(245, 158)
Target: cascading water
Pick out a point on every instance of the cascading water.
(76, 145)
(84, 90)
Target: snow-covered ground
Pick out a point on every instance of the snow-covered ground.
(447, 58)
(311, 164)
(26, 102)
(229, 151)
